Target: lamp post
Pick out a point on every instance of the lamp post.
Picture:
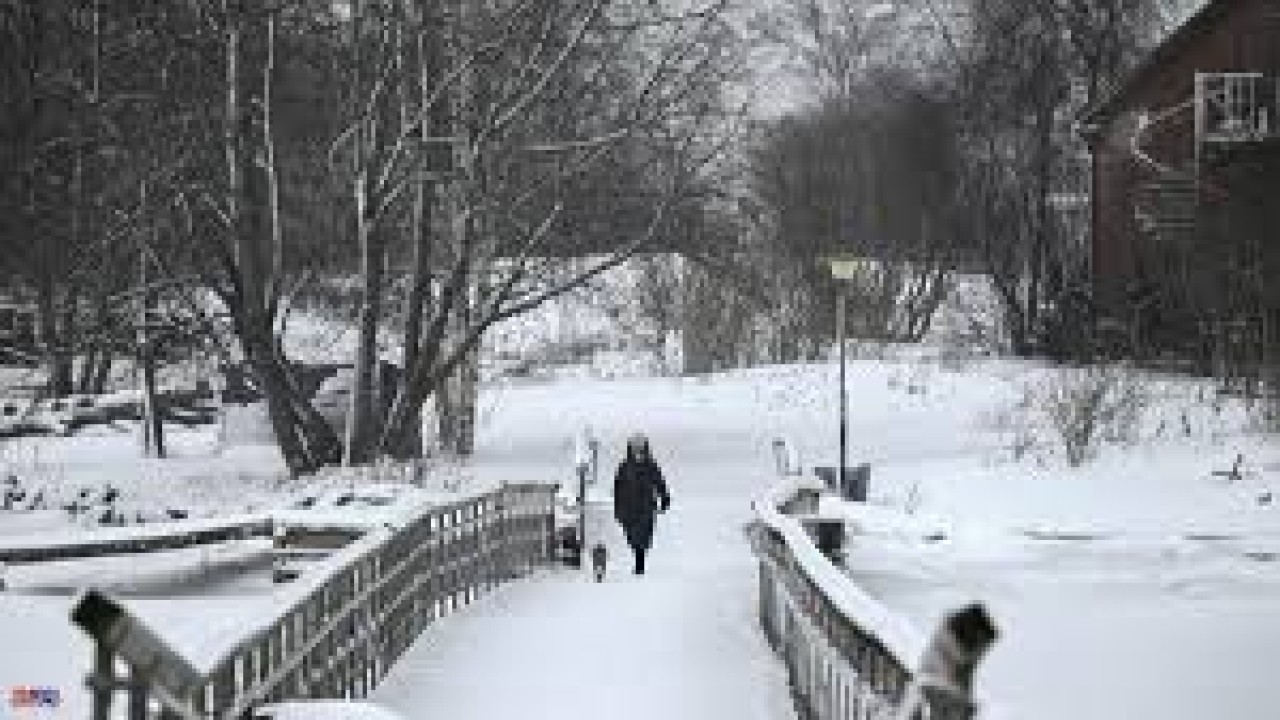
(842, 269)
(582, 513)
(587, 465)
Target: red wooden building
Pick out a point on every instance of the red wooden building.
(1186, 184)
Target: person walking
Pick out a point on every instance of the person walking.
(639, 493)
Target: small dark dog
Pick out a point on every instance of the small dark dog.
(599, 558)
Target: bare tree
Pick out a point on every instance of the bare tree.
(873, 176)
(643, 81)
(484, 229)
(445, 155)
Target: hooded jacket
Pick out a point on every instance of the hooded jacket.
(639, 490)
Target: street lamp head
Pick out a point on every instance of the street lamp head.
(845, 268)
(881, 11)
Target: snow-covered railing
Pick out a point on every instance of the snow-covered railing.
(344, 624)
(49, 547)
(848, 656)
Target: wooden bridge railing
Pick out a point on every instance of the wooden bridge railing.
(848, 657)
(346, 624)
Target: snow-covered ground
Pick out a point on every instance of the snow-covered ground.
(1129, 627)
(202, 475)
(210, 472)
(1139, 585)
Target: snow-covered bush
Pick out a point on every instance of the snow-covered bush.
(1019, 426)
(968, 321)
(1084, 407)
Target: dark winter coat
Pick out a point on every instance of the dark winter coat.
(639, 492)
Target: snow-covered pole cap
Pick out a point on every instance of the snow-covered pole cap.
(582, 449)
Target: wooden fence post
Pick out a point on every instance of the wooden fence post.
(944, 682)
(103, 680)
(118, 635)
(138, 696)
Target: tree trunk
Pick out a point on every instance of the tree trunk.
(362, 430)
(89, 369)
(152, 412)
(420, 283)
(102, 371)
(249, 35)
(468, 396)
(285, 424)
(305, 438)
(153, 444)
(458, 406)
(446, 416)
(407, 444)
(58, 362)
(423, 218)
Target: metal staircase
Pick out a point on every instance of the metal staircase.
(1167, 208)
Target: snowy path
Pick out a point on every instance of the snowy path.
(679, 642)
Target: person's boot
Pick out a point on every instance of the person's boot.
(639, 562)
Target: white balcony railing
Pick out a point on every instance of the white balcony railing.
(1237, 107)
